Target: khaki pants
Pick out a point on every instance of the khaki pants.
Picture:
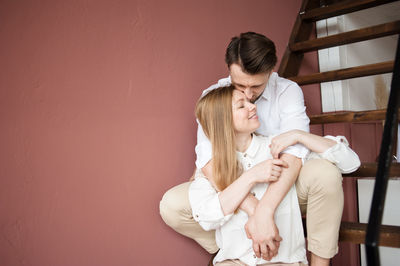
(320, 194)
(239, 263)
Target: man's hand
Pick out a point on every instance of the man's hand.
(284, 140)
(265, 236)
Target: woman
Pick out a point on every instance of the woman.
(225, 200)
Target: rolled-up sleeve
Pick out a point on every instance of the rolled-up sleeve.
(341, 155)
(206, 207)
(293, 115)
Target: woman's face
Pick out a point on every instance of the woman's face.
(245, 119)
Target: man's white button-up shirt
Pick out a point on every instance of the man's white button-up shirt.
(280, 108)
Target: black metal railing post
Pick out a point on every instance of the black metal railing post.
(385, 159)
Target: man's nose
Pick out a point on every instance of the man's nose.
(248, 93)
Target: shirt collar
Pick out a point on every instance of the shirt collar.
(270, 84)
(253, 147)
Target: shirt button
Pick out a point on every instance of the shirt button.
(249, 165)
(245, 155)
(254, 256)
(197, 216)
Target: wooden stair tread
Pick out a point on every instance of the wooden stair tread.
(353, 36)
(346, 73)
(370, 169)
(348, 117)
(356, 232)
(341, 8)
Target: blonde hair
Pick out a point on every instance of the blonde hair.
(214, 112)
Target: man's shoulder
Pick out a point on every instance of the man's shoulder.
(282, 83)
(221, 83)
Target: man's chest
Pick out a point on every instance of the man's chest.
(268, 115)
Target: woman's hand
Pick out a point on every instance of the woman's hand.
(284, 140)
(267, 171)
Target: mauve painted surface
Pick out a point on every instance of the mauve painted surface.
(96, 111)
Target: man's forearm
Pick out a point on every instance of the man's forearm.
(276, 191)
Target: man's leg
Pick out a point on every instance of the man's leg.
(176, 212)
(320, 193)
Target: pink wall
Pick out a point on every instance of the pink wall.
(96, 111)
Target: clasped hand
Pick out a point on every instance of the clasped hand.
(265, 236)
(284, 140)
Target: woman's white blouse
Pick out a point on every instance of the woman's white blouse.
(230, 233)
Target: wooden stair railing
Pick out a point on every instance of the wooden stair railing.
(300, 43)
(373, 238)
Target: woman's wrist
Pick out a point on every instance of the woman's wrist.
(249, 179)
(266, 211)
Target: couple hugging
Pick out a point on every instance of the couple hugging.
(258, 169)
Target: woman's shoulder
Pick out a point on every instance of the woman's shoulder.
(263, 139)
(201, 182)
(262, 144)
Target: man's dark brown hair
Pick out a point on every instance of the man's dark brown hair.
(254, 52)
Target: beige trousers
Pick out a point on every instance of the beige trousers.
(239, 263)
(320, 194)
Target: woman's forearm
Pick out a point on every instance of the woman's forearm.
(249, 204)
(233, 196)
(276, 191)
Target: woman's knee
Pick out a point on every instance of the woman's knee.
(175, 206)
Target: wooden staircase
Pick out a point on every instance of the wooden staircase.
(300, 43)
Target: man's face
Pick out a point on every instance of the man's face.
(251, 85)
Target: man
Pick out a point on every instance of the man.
(251, 58)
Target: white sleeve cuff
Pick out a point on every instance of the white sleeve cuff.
(206, 207)
(297, 150)
(341, 155)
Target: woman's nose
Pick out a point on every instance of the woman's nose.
(252, 106)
